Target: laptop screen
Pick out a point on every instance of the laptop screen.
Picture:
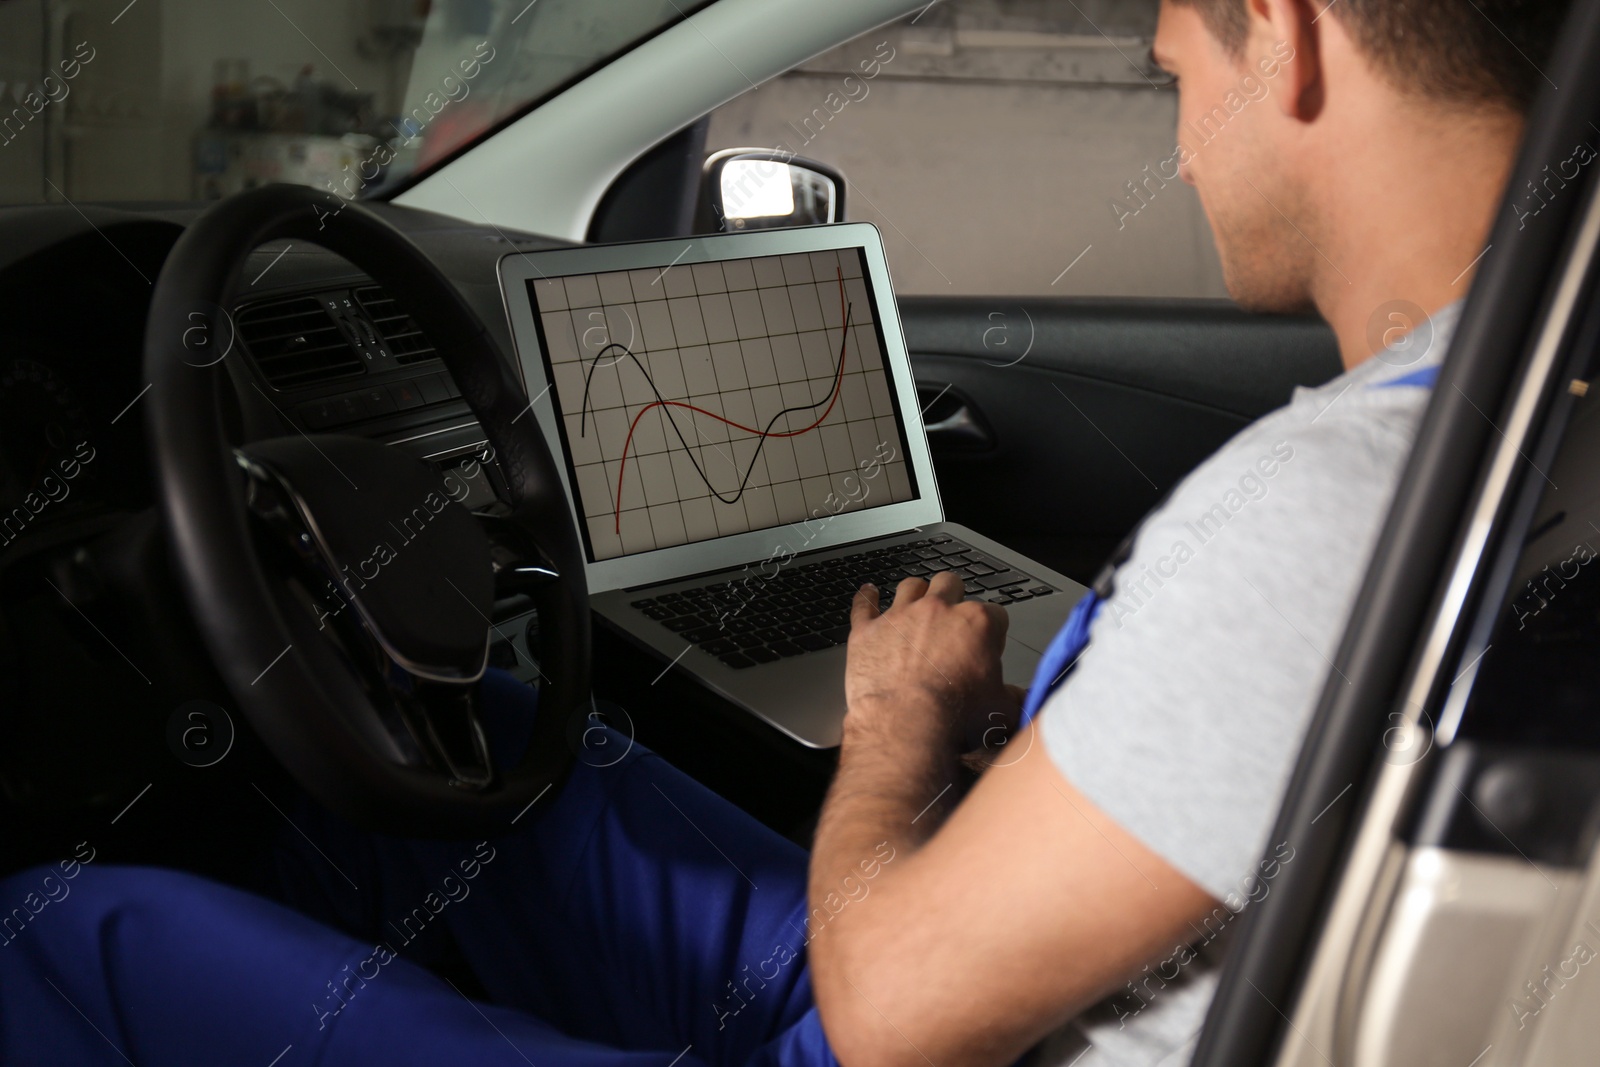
(705, 400)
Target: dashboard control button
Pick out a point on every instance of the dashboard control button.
(406, 395)
(318, 415)
(433, 389)
(351, 407)
(378, 402)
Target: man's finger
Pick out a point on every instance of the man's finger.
(947, 586)
(864, 608)
(910, 589)
(999, 622)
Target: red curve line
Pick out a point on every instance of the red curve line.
(844, 347)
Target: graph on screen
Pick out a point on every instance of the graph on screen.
(708, 399)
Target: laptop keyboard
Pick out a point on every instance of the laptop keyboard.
(805, 607)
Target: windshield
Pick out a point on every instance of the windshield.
(195, 99)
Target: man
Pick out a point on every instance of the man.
(1100, 866)
(1089, 876)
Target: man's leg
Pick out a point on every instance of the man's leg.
(635, 907)
(134, 965)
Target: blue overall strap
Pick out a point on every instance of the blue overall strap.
(1423, 376)
(1062, 653)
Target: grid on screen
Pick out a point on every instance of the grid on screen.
(709, 399)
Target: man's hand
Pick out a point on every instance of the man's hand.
(928, 669)
(927, 969)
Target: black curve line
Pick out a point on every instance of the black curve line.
(838, 383)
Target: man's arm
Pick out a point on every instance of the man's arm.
(981, 934)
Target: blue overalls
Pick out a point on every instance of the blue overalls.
(639, 920)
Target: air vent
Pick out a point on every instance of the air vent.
(402, 335)
(296, 343)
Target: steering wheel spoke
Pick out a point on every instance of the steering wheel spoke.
(520, 564)
(447, 726)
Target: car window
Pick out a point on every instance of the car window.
(1016, 147)
(188, 99)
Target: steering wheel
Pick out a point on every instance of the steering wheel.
(343, 593)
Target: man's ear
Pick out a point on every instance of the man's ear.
(1285, 47)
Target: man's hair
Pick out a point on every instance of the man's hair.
(1458, 51)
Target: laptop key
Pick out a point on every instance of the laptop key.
(645, 603)
(793, 629)
(786, 648)
(737, 661)
(769, 635)
(1041, 590)
(682, 623)
(838, 634)
(747, 641)
(762, 654)
(813, 642)
(719, 647)
(701, 633)
(1004, 578)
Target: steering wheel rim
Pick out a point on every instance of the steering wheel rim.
(312, 707)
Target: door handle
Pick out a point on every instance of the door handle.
(952, 421)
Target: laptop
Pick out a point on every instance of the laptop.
(738, 431)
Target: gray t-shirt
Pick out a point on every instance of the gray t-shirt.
(1184, 717)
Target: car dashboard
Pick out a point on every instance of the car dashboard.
(95, 643)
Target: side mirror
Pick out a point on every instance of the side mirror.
(758, 189)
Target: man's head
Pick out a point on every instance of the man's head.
(1292, 113)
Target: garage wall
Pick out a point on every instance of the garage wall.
(993, 145)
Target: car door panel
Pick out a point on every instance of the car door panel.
(1056, 424)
